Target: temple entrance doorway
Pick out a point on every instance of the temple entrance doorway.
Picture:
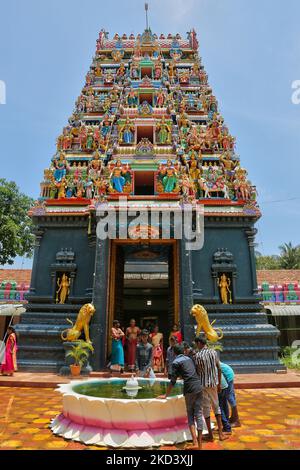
(144, 285)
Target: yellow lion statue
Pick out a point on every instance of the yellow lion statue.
(82, 324)
(203, 324)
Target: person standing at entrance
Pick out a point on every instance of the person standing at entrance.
(9, 364)
(171, 356)
(132, 333)
(117, 351)
(157, 339)
(143, 360)
(184, 367)
(209, 370)
(177, 333)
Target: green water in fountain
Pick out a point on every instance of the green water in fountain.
(114, 389)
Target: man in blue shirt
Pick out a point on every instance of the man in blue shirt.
(228, 373)
(184, 367)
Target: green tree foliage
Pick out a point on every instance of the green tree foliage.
(267, 262)
(289, 256)
(16, 238)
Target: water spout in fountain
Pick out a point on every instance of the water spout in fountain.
(132, 387)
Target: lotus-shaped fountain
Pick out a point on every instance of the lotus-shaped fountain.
(119, 414)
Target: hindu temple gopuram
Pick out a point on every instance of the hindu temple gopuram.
(146, 127)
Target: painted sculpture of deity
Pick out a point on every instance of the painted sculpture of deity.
(132, 98)
(194, 170)
(242, 185)
(82, 137)
(126, 134)
(120, 178)
(105, 127)
(229, 165)
(100, 187)
(90, 101)
(90, 139)
(60, 166)
(61, 188)
(164, 132)
(187, 188)
(134, 71)
(160, 98)
(95, 166)
(145, 109)
(121, 71)
(168, 179)
(98, 71)
(158, 70)
(213, 182)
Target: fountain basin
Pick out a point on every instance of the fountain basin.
(93, 418)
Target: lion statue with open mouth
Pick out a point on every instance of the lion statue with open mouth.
(82, 324)
(203, 324)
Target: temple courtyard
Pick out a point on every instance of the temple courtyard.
(270, 419)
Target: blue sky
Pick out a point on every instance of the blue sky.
(251, 51)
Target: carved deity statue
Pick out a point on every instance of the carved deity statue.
(224, 283)
(164, 132)
(63, 289)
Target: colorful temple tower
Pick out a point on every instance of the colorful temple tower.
(146, 128)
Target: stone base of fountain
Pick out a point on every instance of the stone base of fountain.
(91, 435)
(121, 423)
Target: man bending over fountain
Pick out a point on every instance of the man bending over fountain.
(184, 367)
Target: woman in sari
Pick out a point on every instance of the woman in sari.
(132, 333)
(158, 351)
(177, 333)
(117, 353)
(9, 364)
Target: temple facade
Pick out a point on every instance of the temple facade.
(146, 136)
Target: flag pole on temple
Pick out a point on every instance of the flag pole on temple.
(146, 10)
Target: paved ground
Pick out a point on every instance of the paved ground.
(242, 381)
(271, 420)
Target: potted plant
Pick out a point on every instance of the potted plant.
(80, 353)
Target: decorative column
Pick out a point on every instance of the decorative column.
(38, 238)
(98, 329)
(250, 234)
(186, 292)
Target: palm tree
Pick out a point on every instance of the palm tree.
(289, 256)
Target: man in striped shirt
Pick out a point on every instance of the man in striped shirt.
(209, 371)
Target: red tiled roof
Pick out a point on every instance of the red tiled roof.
(20, 276)
(279, 276)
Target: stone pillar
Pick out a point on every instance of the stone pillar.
(38, 238)
(98, 329)
(250, 234)
(186, 288)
